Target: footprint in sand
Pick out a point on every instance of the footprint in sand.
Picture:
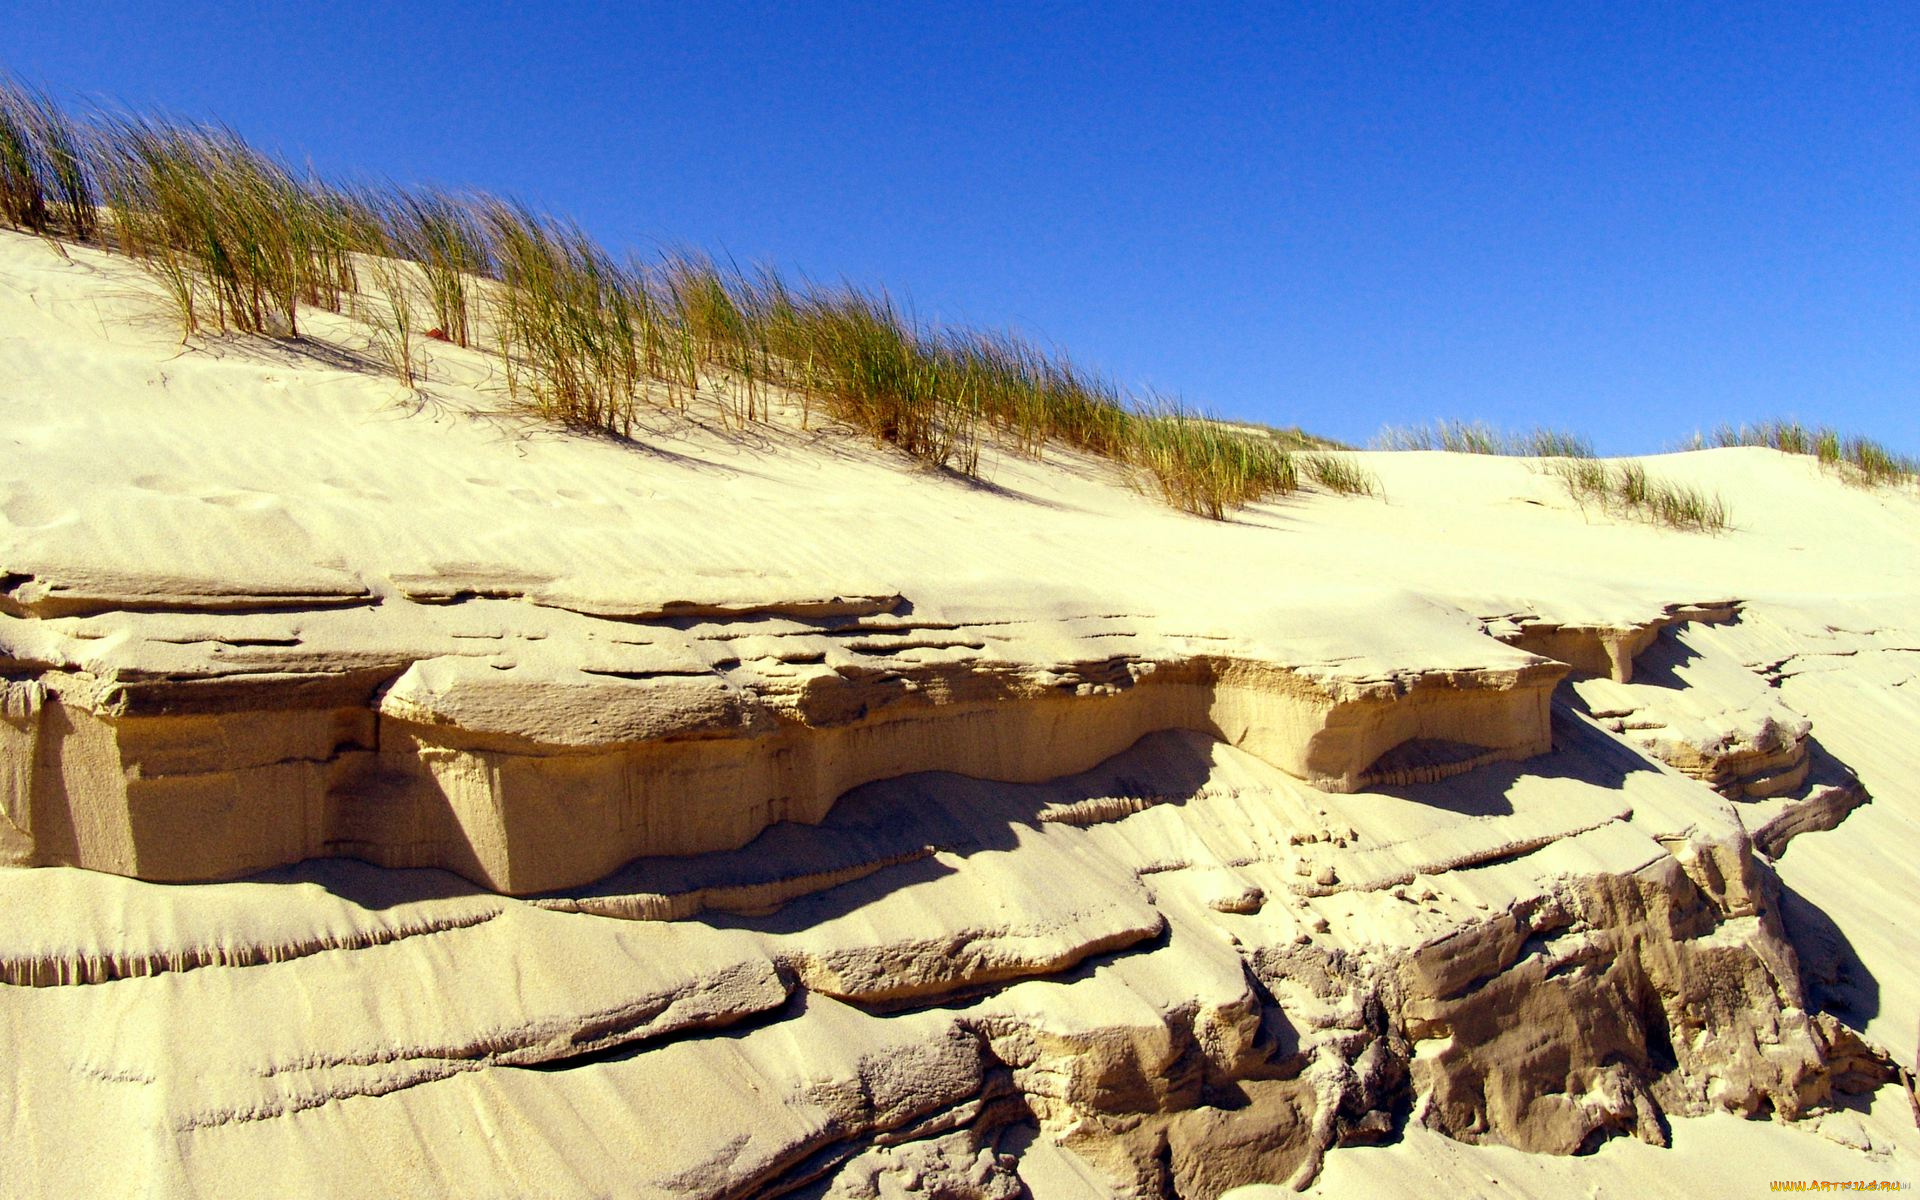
(175, 485)
(249, 500)
(359, 491)
(168, 485)
(25, 511)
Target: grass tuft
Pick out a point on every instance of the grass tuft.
(443, 234)
(240, 240)
(1627, 489)
(868, 365)
(568, 318)
(1340, 475)
(1204, 467)
(45, 186)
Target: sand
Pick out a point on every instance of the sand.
(751, 809)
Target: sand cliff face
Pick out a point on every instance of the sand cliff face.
(188, 746)
(471, 810)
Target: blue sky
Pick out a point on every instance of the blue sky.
(1631, 220)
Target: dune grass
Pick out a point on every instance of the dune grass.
(1339, 474)
(1626, 489)
(568, 318)
(865, 364)
(45, 187)
(441, 233)
(1456, 437)
(1200, 466)
(241, 241)
(1858, 460)
(1477, 437)
(244, 243)
(393, 315)
(1294, 438)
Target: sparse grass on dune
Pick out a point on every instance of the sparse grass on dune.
(569, 320)
(1626, 488)
(1621, 488)
(23, 197)
(1552, 443)
(243, 243)
(391, 310)
(1296, 438)
(1857, 460)
(869, 367)
(1339, 474)
(1456, 437)
(1476, 437)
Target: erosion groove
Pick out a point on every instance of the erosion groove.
(55, 968)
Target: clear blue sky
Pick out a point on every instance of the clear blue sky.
(1626, 219)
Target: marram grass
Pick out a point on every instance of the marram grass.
(1623, 489)
(1476, 437)
(1858, 460)
(244, 243)
(1202, 467)
(45, 187)
(1339, 474)
(1626, 489)
(241, 241)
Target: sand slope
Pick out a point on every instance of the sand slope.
(475, 808)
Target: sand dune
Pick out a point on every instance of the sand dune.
(406, 798)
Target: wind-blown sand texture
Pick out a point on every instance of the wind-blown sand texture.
(473, 808)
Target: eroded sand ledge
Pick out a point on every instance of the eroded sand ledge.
(205, 759)
(1476, 900)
